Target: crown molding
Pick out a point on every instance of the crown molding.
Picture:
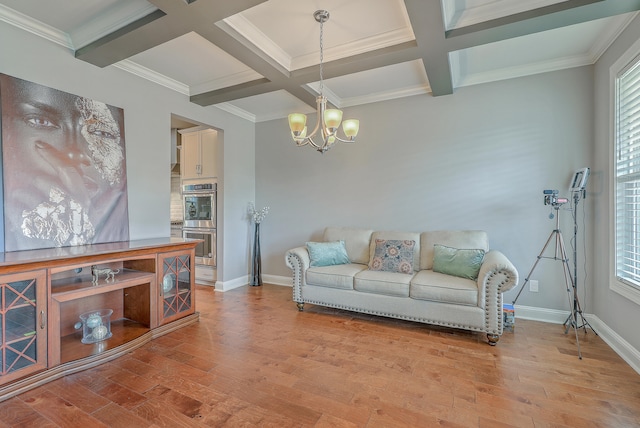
(610, 34)
(523, 70)
(390, 38)
(408, 91)
(241, 29)
(237, 111)
(34, 26)
(152, 76)
(271, 116)
(332, 97)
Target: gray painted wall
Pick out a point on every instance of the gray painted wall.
(148, 108)
(619, 313)
(479, 159)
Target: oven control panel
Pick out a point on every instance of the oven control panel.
(199, 187)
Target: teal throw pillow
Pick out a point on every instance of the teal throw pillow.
(327, 253)
(393, 255)
(456, 262)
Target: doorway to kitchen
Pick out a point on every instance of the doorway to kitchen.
(194, 187)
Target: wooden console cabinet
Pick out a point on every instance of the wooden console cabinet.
(44, 292)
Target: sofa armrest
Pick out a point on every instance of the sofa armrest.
(497, 275)
(298, 261)
(498, 270)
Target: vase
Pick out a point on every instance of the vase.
(256, 263)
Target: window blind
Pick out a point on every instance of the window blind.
(627, 160)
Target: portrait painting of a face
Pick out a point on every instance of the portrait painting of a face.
(63, 168)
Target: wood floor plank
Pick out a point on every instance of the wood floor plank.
(115, 416)
(76, 394)
(16, 413)
(254, 360)
(60, 412)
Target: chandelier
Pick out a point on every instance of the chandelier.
(328, 120)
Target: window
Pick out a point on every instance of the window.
(627, 175)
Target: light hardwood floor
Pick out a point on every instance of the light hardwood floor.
(254, 360)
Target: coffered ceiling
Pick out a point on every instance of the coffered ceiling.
(259, 58)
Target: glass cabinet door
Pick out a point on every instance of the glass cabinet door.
(22, 324)
(176, 286)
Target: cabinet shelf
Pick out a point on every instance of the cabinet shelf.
(65, 289)
(30, 303)
(16, 335)
(173, 293)
(13, 339)
(123, 330)
(133, 314)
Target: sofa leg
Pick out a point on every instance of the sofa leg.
(300, 306)
(493, 339)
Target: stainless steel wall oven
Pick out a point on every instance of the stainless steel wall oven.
(205, 251)
(200, 219)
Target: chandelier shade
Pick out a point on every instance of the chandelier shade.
(327, 120)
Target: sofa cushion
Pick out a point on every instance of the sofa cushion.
(393, 255)
(338, 276)
(356, 241)
(463, 239)
(388, 283)
(456, 262)
(400, 236)
(327, 253)
(439, 287)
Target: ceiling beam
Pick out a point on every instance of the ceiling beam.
(396, 54)
(558, 15)
(234, 92)
(172, 19)
(428, 28)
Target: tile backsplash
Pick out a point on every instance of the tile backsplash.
(176, 200)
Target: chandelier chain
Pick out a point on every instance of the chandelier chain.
(321, 55)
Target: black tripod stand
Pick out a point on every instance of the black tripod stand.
(576, 310)
(560, 254)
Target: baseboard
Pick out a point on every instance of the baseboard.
(234, 283)
(244, 280)
(620, 346)
(623, 348)
(552, 316)
(278, 280)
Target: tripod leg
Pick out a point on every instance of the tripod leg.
(568, 279)
(578, 311)
(526, 280)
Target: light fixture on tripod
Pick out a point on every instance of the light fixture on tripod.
(578, 191)
(327, 120)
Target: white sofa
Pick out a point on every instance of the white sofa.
(422, 294)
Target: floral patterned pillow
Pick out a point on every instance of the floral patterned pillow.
(393, 255)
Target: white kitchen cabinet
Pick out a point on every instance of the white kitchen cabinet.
(198, 156)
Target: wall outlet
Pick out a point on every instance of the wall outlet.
(533, 286)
